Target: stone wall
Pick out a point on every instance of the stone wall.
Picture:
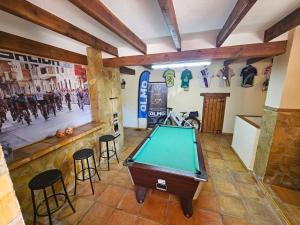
(283, 166)
(60, 159)
(10, 212)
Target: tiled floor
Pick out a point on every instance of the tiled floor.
(290, 201)
(230, 197)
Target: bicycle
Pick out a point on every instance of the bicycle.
(185, 120)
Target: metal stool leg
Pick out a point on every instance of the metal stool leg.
(75, 176)
(100, 151)
(47, 204)
(66, 194)
(82, 169)
(34, 207)
(96, 167)
(90, 177)
(107, 152)
(116, 151)
(55, 197)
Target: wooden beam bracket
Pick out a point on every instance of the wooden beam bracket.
(127, 70)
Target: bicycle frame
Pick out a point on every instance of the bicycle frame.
(177, 119)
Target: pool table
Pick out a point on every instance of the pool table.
(169, 159)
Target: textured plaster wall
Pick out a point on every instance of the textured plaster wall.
(10, 212)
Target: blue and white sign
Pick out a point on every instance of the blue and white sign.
(143, 95)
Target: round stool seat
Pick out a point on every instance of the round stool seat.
(106, 138)
(45, 179)
(83, 154)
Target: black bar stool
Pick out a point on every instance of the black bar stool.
(41, 182)
(106, 155)
(85, 154)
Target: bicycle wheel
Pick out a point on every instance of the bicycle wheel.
(162, 119)
(194, 122)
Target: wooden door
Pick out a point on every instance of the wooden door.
(213, 112)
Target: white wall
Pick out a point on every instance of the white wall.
(241, 100)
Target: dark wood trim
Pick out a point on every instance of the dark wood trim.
(39, 16)
(280, 109)
(23, 45)
(217, 95)
(255, 60)
(229, 61)
(103, 15)
(149, 67)
(168, 12)
(223, 53)
(239, 11)
(243, 117)
(127, 70)
(287, 23)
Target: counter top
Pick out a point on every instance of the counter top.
(38, 149)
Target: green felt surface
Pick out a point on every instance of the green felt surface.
(170, 147)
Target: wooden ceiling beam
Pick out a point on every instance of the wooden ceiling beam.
(223, 53)
(127, 70)
(287, 23)
(39, 16)
(168, 12)
(97, 10)
(239, 11)
(23, 45)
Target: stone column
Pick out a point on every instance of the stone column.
(9, 205)
(278, 153)
(105, 93)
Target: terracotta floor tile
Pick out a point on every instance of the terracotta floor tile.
(243, 178)
(205, 217)
(154, 208)
(226, 188)
(123, 180)
(112, 195)
(174, 198)
(229, 220)
(249, 191)
(81, 206)
(160, 194)
(235, 166)
(175, 215)
(207, 200)
(121, 218)
(229, 156)
(129, 204)
(84, 189)
(208, 186)
(214, 155)
(260, 210)
(231, 205)
(287, 195)
(143, 221)
(221, 175)
(98, 214)
(216, 163)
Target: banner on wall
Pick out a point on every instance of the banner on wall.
(157, 102)
(143, 98)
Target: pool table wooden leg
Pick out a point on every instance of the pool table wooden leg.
(187, 206)
(140, 193)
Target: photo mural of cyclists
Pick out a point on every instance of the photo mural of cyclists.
(35, 89)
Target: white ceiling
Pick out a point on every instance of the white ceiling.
(199, 22)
